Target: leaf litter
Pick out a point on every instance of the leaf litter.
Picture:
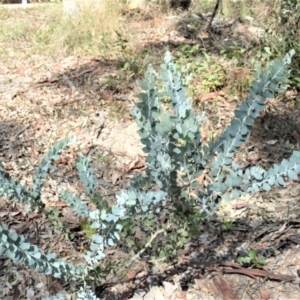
(42, 101)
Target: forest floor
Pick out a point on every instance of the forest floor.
(45, 97)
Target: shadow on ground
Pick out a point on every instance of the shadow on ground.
(218, 254)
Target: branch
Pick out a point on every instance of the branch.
(218, 4)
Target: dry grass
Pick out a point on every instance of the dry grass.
(56, 34)
(259, 10)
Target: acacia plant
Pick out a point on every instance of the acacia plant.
(176, 158)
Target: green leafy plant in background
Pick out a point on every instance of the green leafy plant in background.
(170, 186)
(211, 72)
(284, 32)
(227, 224)
(233, 52)
(60, 226)
(252, 259)
(290, 19)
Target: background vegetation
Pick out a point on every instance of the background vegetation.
(119, 41)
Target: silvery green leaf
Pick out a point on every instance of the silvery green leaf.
(168, 57)
(266, 187)
(255, 188)
(235, 193)
(220, 187)
(110, 242)
(280, 181)
(119, 227)
(116, 235)
(144, 85)
(258, 176)
(292, 175)
(97, 239)
(117, 211)
(177, 150)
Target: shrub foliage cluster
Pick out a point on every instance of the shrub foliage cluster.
(176, 159)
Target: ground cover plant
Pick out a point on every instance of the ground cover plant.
(177, 205)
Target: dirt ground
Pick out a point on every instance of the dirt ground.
(44, 100)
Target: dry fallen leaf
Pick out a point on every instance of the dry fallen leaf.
(115, 176)
(264, 295)
(296, 135)
(201, 178)
(261, 273)
(9, 213)
(282, 228)
(59, 204)
(212, 95)
(238, 204)
(223, 288)
(272, 142)
(203, 238)
(16, 293)
(56, 286)
(69, 216)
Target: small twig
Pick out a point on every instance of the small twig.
(84, 72)
(101, 125)
(109, 194)
(218, 4)
(21, 131)
(64, 102)
(70, 83)
(198, 14)
(137, 256)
